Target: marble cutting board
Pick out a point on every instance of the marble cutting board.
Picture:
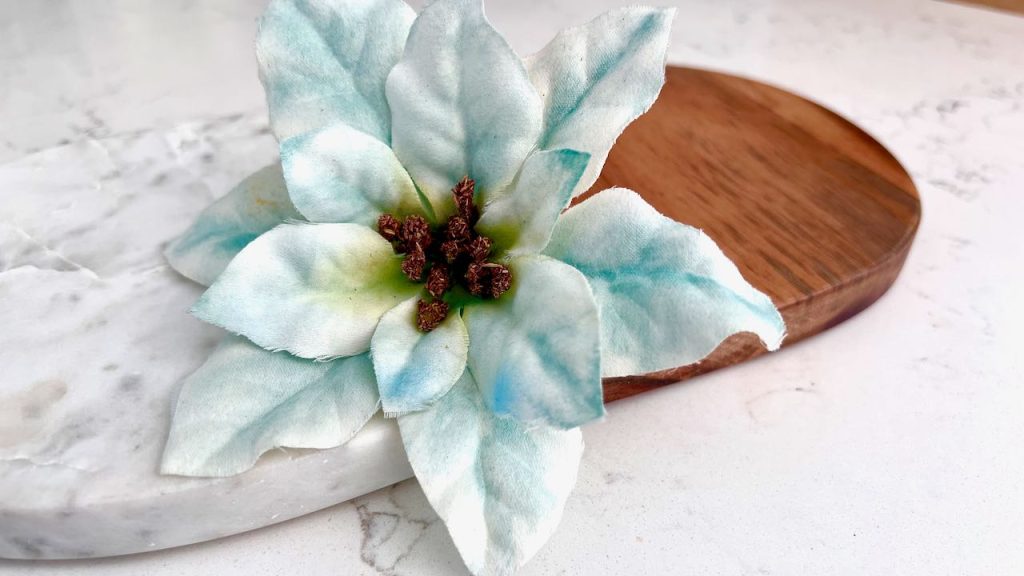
(95, 338)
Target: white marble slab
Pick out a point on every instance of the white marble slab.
(890, 445)
(96, 340)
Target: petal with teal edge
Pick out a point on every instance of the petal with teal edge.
(461, 103)
(520, 220)
(498, 485)
(536, 351)
(315, 290)
(667, 293)
(246, 400)
(414, 368)
(254, 206)
(325, 61)
(340, 174)
(597, 78)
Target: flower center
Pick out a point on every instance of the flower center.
(451, 255)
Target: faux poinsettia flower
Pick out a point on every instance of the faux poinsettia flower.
(413, 252)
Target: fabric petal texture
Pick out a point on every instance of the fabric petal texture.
(521, 219)
(413, 368)
(340, 174)
(536, 351)
(325, 61)
(597, 78)
(246, 400)
(315, 290)
(499, 486)
(668, 295)
(254, 206)
(461, 103)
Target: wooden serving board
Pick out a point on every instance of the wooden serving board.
(816, 213)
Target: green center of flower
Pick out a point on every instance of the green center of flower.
(453, 254)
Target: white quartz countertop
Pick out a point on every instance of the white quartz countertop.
(892, 444)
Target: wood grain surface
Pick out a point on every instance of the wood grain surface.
(815, 212)
(1014, 6)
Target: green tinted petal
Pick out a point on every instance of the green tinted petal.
(316, 290)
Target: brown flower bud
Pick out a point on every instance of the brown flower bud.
(451, 250)
(413, 263)
(389, 227)
(463, 193)
(480, 248)
(457, 229)
(438, 280)
(429, 315)
(476, 278)
(500, 279)
(416, 232)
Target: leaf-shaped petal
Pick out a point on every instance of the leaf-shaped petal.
(499, 486)
(461, 103)
(340, 174)
(413, 368)
(246, 400)
(325, 61)
(520, 220)
(254, 206)
(597, 78)
(536, 351)
(316, 290)
(667, 293)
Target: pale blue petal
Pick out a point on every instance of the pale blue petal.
(668, 296)
(246, 400)
(325, 61)
(498, 485)
(315, 290)
(340, 174)
(254, 206)
(520, 220)
(461, 103)
(536, 351)
(414, 368)
(597, 78)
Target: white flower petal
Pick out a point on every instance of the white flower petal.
(325, 61)
(667, 294)
(536, 350)
(340, 174)
(520, 220)
(316, 290)
(246, 400)
(461, 103)
(597, 78)
(254, 206)
(413, 368)
(499, 486)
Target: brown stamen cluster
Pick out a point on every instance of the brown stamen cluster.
(453, 254)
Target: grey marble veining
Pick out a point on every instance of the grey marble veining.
(888, 445)
(97, 338)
